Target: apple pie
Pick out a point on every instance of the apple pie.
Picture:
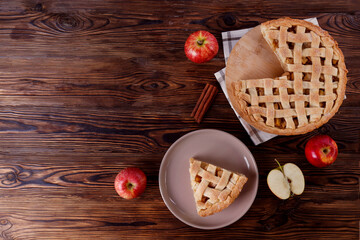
(214, 188)
(311, 89)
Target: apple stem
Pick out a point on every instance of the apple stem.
(279, 165)
(129, 186)
(200, 42)
(325, 151)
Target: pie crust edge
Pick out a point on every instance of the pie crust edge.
(222, 205)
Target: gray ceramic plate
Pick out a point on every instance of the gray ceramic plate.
(213, 146)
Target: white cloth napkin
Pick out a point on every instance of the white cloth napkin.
(229, 40)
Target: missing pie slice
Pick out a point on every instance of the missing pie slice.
(310, 91)
(214, 188)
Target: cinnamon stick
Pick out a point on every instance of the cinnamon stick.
(204, 102)
(200, 100)
(207, 104)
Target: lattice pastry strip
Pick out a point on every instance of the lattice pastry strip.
(214, 188)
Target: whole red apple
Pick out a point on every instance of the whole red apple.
(321, 151)
(130, 183)
(201, 46)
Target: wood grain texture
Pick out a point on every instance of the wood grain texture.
(90, 87)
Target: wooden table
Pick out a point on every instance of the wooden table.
(91, 87)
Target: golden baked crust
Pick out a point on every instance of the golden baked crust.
(214, 188)
(312, 88)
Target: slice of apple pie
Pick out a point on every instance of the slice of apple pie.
(214, 188)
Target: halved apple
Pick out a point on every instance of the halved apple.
(286, 180)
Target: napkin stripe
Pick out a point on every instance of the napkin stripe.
(228, 40)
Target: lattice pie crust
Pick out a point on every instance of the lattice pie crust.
(310, 91)
(214, 188)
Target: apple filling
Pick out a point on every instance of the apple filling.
(275, 44)
(292, 29)
(198, 179)
(204, 199)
